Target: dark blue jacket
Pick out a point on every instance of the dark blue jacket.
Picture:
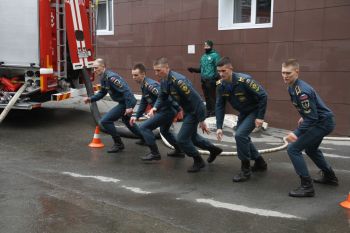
(113, 84)
(309, 105)
(182, 91)
(243, 93)
(150, 90)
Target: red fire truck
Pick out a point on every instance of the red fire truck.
(46, 46)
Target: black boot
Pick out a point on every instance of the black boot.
(245, 172)
(198, 163)
(214, 151)
(118, 145)
(327, 177)
(259, 165)
(153, 155)
(177, 153)
(306, 188)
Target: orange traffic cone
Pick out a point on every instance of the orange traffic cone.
(96, 141)
(346, 203)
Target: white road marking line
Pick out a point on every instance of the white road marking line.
(336, 156)
(340, 170)
(245, 209)
(100, 178)
(326, 148)
(136, 190)
(108, 179)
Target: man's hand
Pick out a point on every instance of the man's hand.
(204, 127)
(132, 121)
(258, 123)
(87, 100)
(219, 134)
(151, 112)
(291, 137)
(128, 111)
(300, 121)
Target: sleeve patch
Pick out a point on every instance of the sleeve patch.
(183, 87)
(306, 106)
(254, 86)
(153, 90)
(116, 82)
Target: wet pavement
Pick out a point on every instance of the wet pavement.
(51, 181)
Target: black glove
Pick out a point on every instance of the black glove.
(190, 69)
(193, 70)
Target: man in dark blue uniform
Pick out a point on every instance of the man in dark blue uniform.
(180, 89)
(163, 118)
(118, 89)
(316, 121)
(250, 100)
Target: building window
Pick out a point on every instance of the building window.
(104, 18)
(244, 14)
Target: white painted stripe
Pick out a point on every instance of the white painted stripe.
(340, 170)
(100, 178)
(336, 156)
(245, 209)
(136, 190)
(326, 148)
(80, 25)
(75, 25)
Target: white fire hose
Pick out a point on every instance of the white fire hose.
(231, 123)
(12, 102)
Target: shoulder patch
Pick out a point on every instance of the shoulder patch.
(153, 89)
(183, 86)
(254, 86)
(116, 82)
(218, 82)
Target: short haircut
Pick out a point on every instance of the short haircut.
(224, 61)
(161, 61)
(291, 62)
(139, 66)
(100, 62)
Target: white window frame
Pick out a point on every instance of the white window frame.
(103, 32)
(225, 19)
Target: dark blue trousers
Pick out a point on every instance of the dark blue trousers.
(162, 119)
(245, 148)
(107, 121)
(310, 141)
(188, 138)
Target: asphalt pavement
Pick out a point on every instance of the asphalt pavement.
(51, 181)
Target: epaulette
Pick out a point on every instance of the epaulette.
(218, 82)
(241, 79)
(297, 90)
